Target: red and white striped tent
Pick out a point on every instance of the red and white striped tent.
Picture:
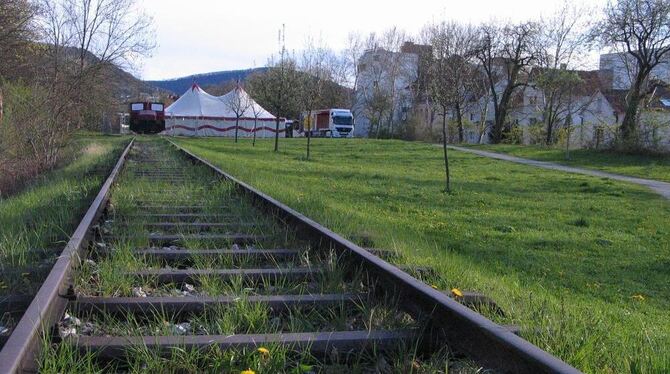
(197, 113)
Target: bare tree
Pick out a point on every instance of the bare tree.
(384, 82)
(557, 87)
(256, 110)
(451, 44)
(82, 39)
(276, 90)
(452, 47)
(505, 53)
(17, 31)
(238, 102)
(561, 43)
(313, 68)
(350, 57)
(641, 28)
(391, 40)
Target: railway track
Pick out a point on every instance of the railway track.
(178, 267)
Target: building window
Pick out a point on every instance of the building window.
(533, 121)
(472, 117)
(361, 67)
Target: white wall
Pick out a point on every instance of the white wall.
(624, 68)
(393, 72)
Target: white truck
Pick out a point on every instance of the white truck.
(333, 123)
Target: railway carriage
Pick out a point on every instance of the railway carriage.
(147, 117)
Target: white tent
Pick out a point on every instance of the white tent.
(197, 113)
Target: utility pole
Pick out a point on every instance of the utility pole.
(280, 106)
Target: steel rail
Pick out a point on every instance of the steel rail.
(22, 347)
(316, 342)
(467, 331)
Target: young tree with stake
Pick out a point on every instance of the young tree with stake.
(238, 103)
(311, 80)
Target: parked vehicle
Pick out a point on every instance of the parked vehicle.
(333, 123)
(147, 117)
(289, 127)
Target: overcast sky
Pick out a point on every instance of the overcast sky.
(199, 36)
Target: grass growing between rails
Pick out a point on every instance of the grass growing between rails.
(581, 263)
(644, 166)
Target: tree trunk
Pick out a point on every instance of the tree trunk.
(459, 120)
(498, 124)
(444, 147)
(549, 122)
(237, 121)
(253, 143)
(309, 137)
(568, 126)
(277, 134)
(501, 109)
(391, 125)
(629, 124)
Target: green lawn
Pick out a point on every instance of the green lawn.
(643, 166)
(581, 263)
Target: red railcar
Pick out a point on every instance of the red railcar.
(147, 117)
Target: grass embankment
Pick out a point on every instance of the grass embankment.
(36, 222)
(644, 166)
(579, 262)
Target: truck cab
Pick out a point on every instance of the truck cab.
(333, 123)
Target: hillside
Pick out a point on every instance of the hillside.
(129, 87)
(179, 85)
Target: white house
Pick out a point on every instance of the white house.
(622, 67)
(384, 87)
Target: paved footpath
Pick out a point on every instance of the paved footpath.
(662, 188)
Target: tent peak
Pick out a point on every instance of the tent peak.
(195, 87)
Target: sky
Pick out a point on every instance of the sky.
(200, 36)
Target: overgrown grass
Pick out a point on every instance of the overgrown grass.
(650, 166)
(44, 215)
(579, 262)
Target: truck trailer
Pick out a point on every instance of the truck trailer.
(333, 123)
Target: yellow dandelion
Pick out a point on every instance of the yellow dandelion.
(248, 371)
(264, 351)
(434, 286)
(638, 297)
(456, 292)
